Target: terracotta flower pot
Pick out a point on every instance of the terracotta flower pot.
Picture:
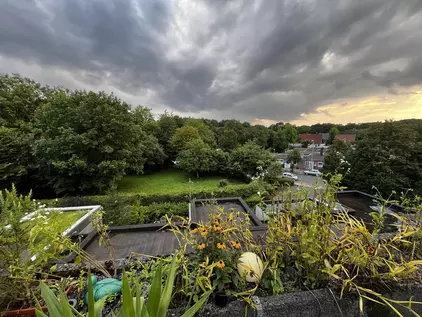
(27, 311)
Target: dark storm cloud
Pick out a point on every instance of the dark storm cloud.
(270, 59)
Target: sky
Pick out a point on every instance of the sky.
(262, 61)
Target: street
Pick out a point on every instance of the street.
(306, 180)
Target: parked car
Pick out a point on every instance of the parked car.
(290, 176)
(312, 172)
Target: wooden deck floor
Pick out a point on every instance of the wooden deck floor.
(143, 242)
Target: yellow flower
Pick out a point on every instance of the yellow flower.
(201, 246)
(221, 245)
(204, 232)
(194, 230)
(235, 244)
(220, 264)
(216, 228)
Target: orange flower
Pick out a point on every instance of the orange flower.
(216, 228)
(194, 230)
(235, 244)
(220, 264)
(201, 246)
(204, 232)
(221, 245)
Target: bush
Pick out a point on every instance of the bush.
(137, 209)
(155, 212)
(223, 183)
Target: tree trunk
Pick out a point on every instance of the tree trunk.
(197, 174)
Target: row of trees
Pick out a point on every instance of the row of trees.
(387, 157)
(72, 142)
(76, 142)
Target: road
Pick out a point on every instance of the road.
(307, 180)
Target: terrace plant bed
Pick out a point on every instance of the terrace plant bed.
(27, 247)
(202, 209)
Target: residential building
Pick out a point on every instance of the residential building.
(314, 138)
(312, 158)
(348, 138)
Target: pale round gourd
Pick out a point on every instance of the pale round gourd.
(250, 265)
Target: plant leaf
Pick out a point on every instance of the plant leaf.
(168, 290)
(155, 293)
(128, 310)
(192, 311)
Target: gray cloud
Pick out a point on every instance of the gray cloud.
(272, 59)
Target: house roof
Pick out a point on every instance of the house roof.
(314, 138)
(346, 137)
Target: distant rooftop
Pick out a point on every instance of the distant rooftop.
(346, 137)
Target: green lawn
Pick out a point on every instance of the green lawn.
(169, 181)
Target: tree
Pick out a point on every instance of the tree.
(147, 129)
(303, 129)
(86, 142)
(332, 135)
(280, 143)
(294, 157)
(16, 157)
(290, 133)
(195, 157)
(335, 159)
(205, 133)
(245, 160)
(19, 98)
(260, 135)
(388, 157)
(182, 137)
(167, 125)
(228, 140)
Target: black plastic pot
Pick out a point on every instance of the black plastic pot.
(221, 299)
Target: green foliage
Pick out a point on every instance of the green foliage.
(58, 306)
(87, 141)
(156, 212)
(133, 300)
(19, 241)
(228, 140)
(294, 157)
(335, 158)
(279, 142)
(223, 183)
(205, 133)
(273, 173)
(182, 137)
(260, 135)
(195, 157)
(332, 134)
(388, 157)
(16, 158)
(167, 125)
(218, 245)
(19, 99)
(245, 160)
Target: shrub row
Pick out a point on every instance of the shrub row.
(140, 208)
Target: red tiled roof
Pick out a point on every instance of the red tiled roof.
(314, 138)
(346, 137)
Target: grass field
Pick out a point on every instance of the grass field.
(169, 181)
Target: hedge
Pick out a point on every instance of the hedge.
(140, 208)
